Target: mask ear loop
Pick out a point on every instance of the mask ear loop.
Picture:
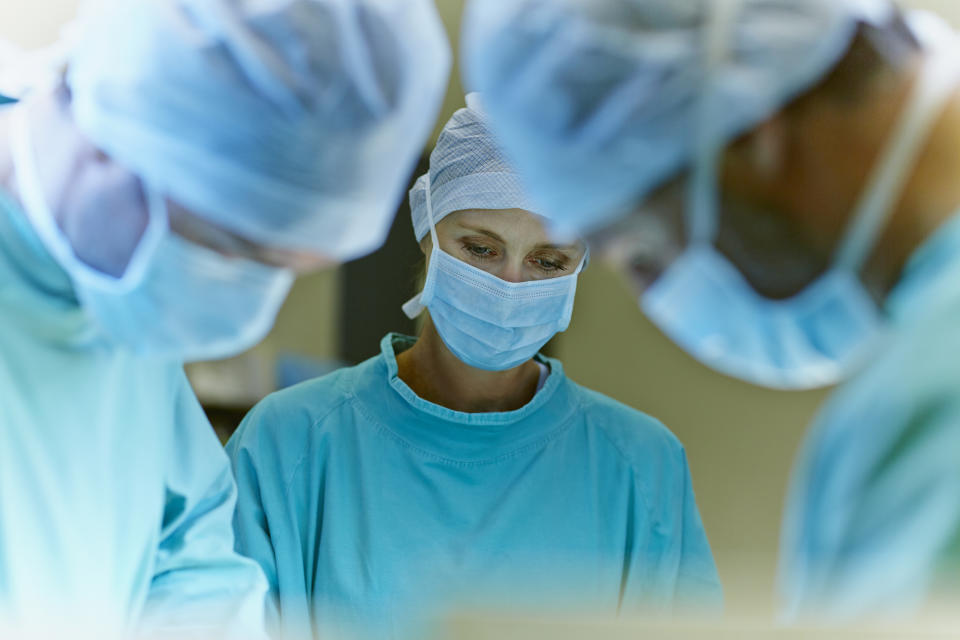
(429, 206)
(934, 86)
(702, 209)
(414, 307)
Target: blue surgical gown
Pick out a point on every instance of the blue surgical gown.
(116, 498)
(872, 526)
(371, 509)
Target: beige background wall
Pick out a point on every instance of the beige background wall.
(741, 441)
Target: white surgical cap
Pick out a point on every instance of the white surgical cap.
(467, 171)
(600, 102)
(292, 122)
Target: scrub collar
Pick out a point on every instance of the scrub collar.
(473, 438)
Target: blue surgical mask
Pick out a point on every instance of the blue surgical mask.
(175, 299)
(817, 337)
(489, 323)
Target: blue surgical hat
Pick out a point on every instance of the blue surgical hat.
(599, 103)
(467, 171)
(294, 123)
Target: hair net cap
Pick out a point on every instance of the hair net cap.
(467, 171)
(295, 123)
(598, 103)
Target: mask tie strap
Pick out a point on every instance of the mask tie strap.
(702, 209)
(429, 205)
(414, 307)
(934, 87)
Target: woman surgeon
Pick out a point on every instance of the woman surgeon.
(462, 468)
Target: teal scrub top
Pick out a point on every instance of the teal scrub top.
(371, 509)
(116, 498)
(872, 526)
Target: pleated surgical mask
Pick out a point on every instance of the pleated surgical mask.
(487, 322)
(706, 305)
(175, 299)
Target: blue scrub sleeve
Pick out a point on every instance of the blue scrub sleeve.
(671, 566)
(880, 532)
(201, 588)
(698, 585)
(267, 526)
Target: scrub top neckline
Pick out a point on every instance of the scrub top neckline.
(389, 348)
(462, 438)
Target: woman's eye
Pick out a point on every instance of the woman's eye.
(549, 265)
(480, 251)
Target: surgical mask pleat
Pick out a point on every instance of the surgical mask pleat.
(816, 337)
(488, 322)
(193, 304)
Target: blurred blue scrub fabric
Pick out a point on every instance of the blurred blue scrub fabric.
(873, 520)
(116, 498)
(371, 509)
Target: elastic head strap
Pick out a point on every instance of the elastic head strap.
(429, 205)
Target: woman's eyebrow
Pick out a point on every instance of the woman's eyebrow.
(483, 231)
(542, 246)
(557, 247)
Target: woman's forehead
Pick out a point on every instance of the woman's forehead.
(501, 218)
(507, 224)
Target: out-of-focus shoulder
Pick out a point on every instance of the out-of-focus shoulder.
(637, 435)
(297, 412)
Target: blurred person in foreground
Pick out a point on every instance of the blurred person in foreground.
(780, 180)
(462, 468)
(155, 206)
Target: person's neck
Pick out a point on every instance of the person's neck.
(435, 374)
(931, 197)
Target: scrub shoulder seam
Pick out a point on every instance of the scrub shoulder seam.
(313, 425)
(631, 464)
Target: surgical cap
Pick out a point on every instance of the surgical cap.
(294, 123)
(467, 171)
(599, 103)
